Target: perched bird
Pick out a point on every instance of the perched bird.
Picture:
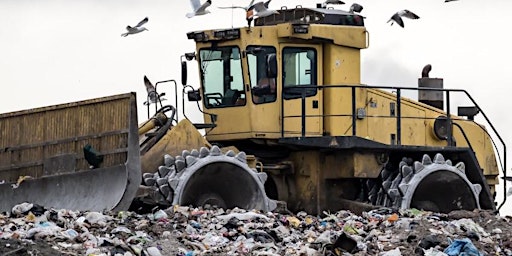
(426, 70)
(245, 8)
(136, 29)
(397, 17)
(261, 9)
(92, 156)
(198, 8)
(324, 4)
(355, 8)
(152, 94)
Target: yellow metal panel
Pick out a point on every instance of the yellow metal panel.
(341, 35)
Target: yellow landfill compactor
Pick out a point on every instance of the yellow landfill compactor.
(286, 119)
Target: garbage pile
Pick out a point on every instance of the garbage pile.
(32, 230)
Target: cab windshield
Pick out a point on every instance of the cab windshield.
(221, 75)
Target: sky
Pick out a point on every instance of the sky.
(58, 51)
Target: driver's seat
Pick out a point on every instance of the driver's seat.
(230, 97)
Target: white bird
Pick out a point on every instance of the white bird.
(245, 8)
(397, 17)
(152, 94)
(261, 9)
(324, 4)
(198, 8)
(137, 29)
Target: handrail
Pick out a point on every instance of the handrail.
(502, 162)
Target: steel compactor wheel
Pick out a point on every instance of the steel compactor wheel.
(435, 185)
(210, 177)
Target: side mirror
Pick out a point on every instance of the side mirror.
(271, 65)
(194, 95)
(184, 73)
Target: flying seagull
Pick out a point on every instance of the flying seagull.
(245, 8)
(397, 17)
(356, 8)
(152, 94)
(136, 29)
(150, 88)
(324, 4)
(261, 9)
(198, 8)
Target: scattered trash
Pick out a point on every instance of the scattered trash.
(181, 231)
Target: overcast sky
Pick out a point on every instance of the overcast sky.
(57, 51)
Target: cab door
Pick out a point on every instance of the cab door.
(301, 72)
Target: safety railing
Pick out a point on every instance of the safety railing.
(398, 115)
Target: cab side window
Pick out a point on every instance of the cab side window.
(299, 70)
(263, 87)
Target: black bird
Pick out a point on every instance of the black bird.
(397, 17)
(92, 156)
(356, 8)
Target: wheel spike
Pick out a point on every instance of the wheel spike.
(418, 167)
(161, 181)
(204, 151)
(385, 173)
(215, 151)
(149, 181)
(262, 176)
(230, 153)
(168, 160)
(165, 189)
(406, 171)
(439, 159)
(191, 160)
(477, 188)
(174, 183)
(386, 185)
(185, 153)
(148, 175)
(163, 171)
(461, 166)
(408, 178)
(242, 157)
(426, 160)
(194, 152)
(180, 164)
(403, 187)
(449, 162)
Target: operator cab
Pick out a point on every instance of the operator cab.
(252, 76)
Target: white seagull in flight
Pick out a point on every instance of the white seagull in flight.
(397, 17)
(153, 96)
(198, 8)
(245, 8)
(136, 29)
(261, 9)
